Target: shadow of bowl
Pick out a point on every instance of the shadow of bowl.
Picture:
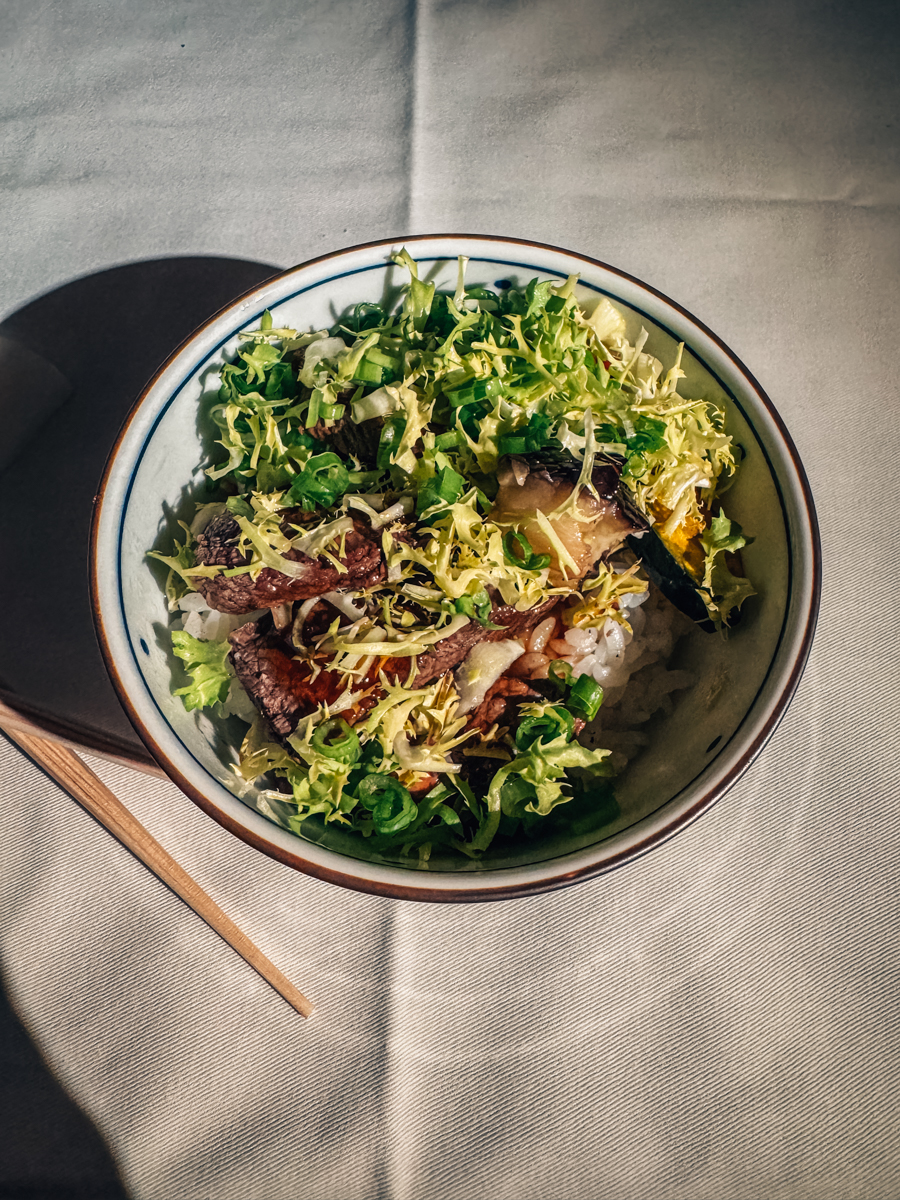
(81, 354)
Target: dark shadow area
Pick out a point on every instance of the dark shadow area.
(99, 339)
(49, 1149)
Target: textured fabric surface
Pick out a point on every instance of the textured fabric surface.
(717, 1019)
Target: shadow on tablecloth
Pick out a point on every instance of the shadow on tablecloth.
(49, 1149)
(73, 361)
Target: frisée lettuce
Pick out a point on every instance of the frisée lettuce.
(424, 426)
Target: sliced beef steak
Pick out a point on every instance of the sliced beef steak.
(500, 698)
(283, 686)
(278, 685)
(347, 438)
(449, 653)
(217, 546)
(282, 689)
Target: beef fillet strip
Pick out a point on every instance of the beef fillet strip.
(217, 546)
(498, 699)
(450, 652)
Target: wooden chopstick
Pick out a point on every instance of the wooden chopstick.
(76, 778)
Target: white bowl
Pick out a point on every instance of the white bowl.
(696, 753)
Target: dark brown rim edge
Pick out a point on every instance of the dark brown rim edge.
(526, 888)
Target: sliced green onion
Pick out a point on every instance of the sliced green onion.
(380, 359)
(335, 739)
(390, 803)
(368, 372)
(312, 413)
(517, 550)
(391, 434)
(331, 412)
(475, 391)
(444, 487)
(545, 728)
(585, 697)
(477, 607)
(560, 673)
(534, 436)
(376, 786)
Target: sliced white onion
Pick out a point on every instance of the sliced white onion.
(213, 626)
(345, 602)
(394, 513)
(193, 602)
(481, 668)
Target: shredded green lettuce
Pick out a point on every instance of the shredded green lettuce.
(207, 665)
(437, 394)
(723, 592)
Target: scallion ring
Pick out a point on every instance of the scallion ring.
(335, 739)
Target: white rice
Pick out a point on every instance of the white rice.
(629, 664)
(641, 684)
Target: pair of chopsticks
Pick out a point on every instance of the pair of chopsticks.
(76, 778)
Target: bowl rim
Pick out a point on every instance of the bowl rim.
(473, 887)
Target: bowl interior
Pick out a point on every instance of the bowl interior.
(158, 469)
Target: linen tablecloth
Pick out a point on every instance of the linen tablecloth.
(717, 1019)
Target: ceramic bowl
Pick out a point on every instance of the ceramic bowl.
(695, 753)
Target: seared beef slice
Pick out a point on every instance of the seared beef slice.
(281, 686)
(449, 653)
(217, 546)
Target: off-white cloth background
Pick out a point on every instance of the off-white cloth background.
(715, 1020)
